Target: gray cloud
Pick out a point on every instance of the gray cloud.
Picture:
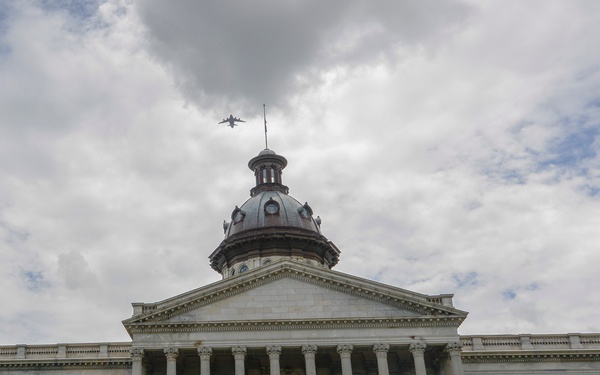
(239, 54)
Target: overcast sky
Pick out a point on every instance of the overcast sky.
(448, 146)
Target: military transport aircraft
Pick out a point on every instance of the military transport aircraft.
(231, 121)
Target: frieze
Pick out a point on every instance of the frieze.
(248, 325)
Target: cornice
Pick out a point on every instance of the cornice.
(66, 364)
(262, 325)
(566, 355)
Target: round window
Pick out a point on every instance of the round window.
(244, 268)
(272, 208)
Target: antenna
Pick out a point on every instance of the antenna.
(265, 116)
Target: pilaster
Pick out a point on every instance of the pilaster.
(309, 352)
(239, 353)
(345, 351)
(137, 356)
(381, 351)
(204, 352)
(274, 351)
(171, 353)
(418, 351)
(453, 349)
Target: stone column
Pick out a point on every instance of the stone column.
(345, 351)
(137, 355)
(454, 349)
(239, 353)
(274, 351)
(381, 351)
(204, 352)
(171, 354)
(418, 351)
(309, 352)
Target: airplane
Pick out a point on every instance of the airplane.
(231, 121)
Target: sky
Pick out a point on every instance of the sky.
(448, 147)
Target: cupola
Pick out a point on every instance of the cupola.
(271, 225)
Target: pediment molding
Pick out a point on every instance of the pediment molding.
(428, 306)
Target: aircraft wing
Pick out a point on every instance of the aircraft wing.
(224, 121)
(238, 119)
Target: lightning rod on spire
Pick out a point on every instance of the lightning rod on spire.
(265, 117)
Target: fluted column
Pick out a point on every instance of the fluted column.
(204, 352)
(171, 354)
(454, 349)
(345, 351)
(418, 351)
(137, 355)
(309, 352)
(274, 351)
(381, 351)
(239, 353)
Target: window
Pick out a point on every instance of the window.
(244, 268)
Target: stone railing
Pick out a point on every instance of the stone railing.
(530, 342)
(65, 351)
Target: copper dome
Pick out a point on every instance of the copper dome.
(270, 225)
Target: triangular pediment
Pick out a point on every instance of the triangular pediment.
(294, 293)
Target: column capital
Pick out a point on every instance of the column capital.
(345, 348)
(238, 350)
(381, 348)
(136, 354)
(454, 348)
(273, 349)
(309, 349)
(171, 353)
(204, 351)
(417, 347)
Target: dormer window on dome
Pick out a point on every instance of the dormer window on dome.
(272, 207)
(237, 215)
(305, 211)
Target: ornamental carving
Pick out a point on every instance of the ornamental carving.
(381, 348)
(454, 347)
(238, 351)
(417, 347)
(204, 352)
(345, 348)
(171, 353)
(136, 353)
(309, 349)
(273, 349)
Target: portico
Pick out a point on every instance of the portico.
(341, 359)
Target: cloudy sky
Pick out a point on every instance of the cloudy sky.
(448, 146)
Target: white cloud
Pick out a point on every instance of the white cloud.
(454, 152)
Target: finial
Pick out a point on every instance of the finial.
(265, 117)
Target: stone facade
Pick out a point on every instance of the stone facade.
(293, 318)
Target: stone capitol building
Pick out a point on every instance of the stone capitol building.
(280, 309)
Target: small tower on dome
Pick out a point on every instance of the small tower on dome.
(267, 167)
(271, 226)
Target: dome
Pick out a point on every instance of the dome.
(271, 225)
(271, 209)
